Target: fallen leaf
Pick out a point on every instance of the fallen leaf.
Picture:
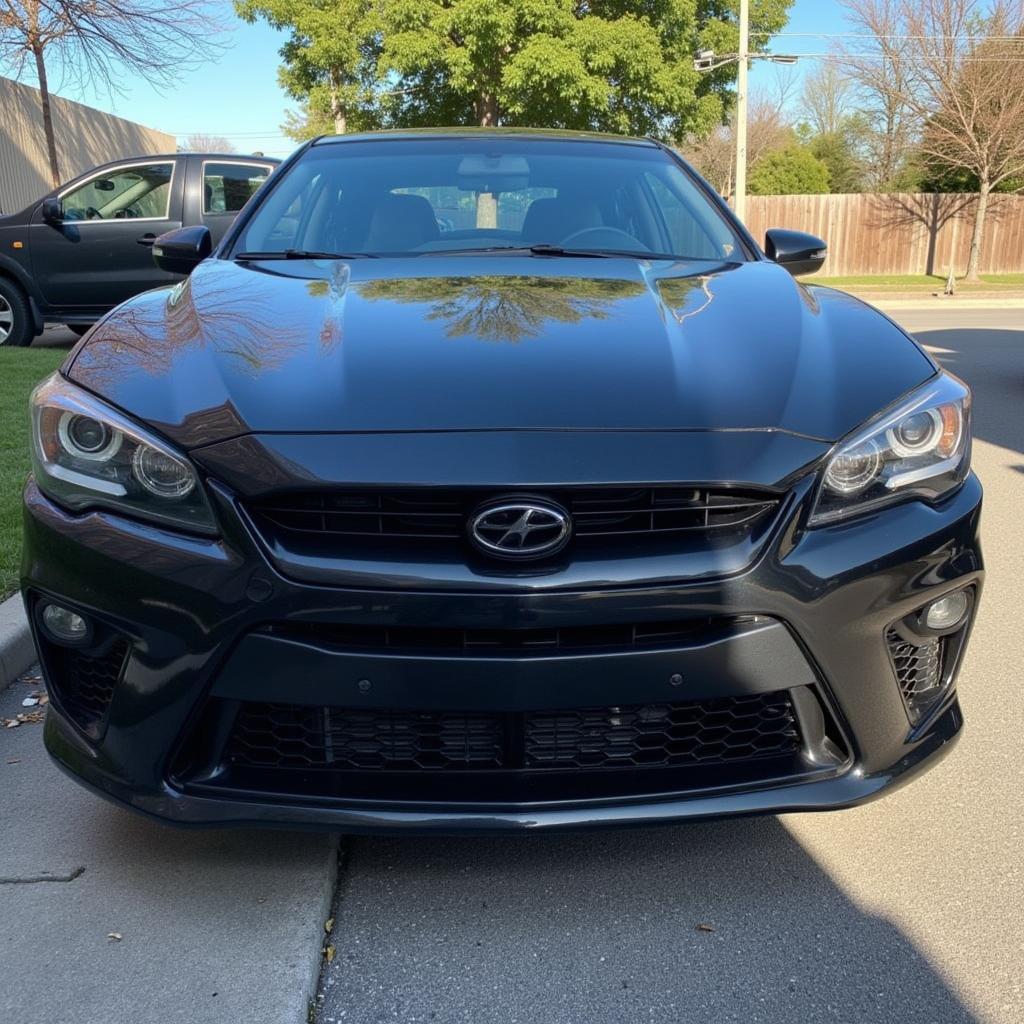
(11, 723)
(114, 936)
(705, 928)
(329, 952)
(44, 699)
(328, 924)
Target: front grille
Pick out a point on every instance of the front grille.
(634, 636)
(442, 513)
(720, 731)
(85, 682)
(918, 670)
(294, 736)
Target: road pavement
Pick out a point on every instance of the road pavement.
(908, 910)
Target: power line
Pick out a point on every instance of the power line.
(896, 36)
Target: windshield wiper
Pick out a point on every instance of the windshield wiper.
(547, 249)
(303, 254)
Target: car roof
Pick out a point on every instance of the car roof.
(143, 157)
(555, 134)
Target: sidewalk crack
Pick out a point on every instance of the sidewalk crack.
(33, 879)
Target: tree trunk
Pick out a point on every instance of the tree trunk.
(44, 95)
(338, 109)
(487, 109)
(977, 236)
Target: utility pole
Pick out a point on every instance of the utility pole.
(705, 61)
(740, 201)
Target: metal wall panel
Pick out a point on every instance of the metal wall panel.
(85, 138)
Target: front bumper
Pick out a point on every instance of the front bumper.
(809, 616)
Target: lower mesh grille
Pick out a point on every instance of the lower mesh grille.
(654, 735)
(918, 670)
(86, 683)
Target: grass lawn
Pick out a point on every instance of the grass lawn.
(924, 283)
(20, 370)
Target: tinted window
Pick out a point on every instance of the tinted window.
(127, 192)
(227, 187)
(399, 196)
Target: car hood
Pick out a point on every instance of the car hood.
(453, 343)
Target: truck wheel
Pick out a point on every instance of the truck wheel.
(16, 327)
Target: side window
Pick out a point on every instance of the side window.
(227, 187)
(143, 190)
(687, 235)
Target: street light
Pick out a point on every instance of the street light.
(707, 60)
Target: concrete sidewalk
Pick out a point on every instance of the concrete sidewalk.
(208, 926)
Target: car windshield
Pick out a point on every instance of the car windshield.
(400, 197)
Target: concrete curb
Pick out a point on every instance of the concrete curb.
(933, 302)
(17, 652)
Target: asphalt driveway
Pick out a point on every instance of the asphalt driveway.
(908, 910)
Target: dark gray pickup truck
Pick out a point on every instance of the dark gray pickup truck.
(85, 247)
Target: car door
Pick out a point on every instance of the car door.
(100, 253)
(226, 188)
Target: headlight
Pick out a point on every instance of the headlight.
(87, 455)
(921, 449)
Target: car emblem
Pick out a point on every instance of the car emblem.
(520, 529)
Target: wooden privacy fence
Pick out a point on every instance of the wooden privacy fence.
(898, 233)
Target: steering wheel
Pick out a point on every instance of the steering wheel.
(606, 236)
(91, 213)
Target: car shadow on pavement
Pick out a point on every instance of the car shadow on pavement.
(722, 921)
(992, 363)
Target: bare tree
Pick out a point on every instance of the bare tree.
(879, 66)
(767, 129)
(964, 89)
(94, 42)
(197, 142)
(827, 99)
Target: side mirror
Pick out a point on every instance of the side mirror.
(182, 250)
(797, 251)
(52, 210)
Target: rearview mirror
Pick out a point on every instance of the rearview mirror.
(485, 172)
(182, 250)
(104, 185)
(797, 251)
(52, 210)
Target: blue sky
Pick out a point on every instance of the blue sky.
(239, 98)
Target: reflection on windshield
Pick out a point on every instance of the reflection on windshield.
(504, 308)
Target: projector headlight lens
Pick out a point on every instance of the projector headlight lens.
(86, 455)
(920, 449)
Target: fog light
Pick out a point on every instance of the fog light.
(65, 625)
(946, 612)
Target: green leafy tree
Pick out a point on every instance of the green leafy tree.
(794, 170)
(613, 65)
(330, 56)
(843, 151)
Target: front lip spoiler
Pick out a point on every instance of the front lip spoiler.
(174, 807)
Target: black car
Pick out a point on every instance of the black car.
(83, 248)
(491, 481)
